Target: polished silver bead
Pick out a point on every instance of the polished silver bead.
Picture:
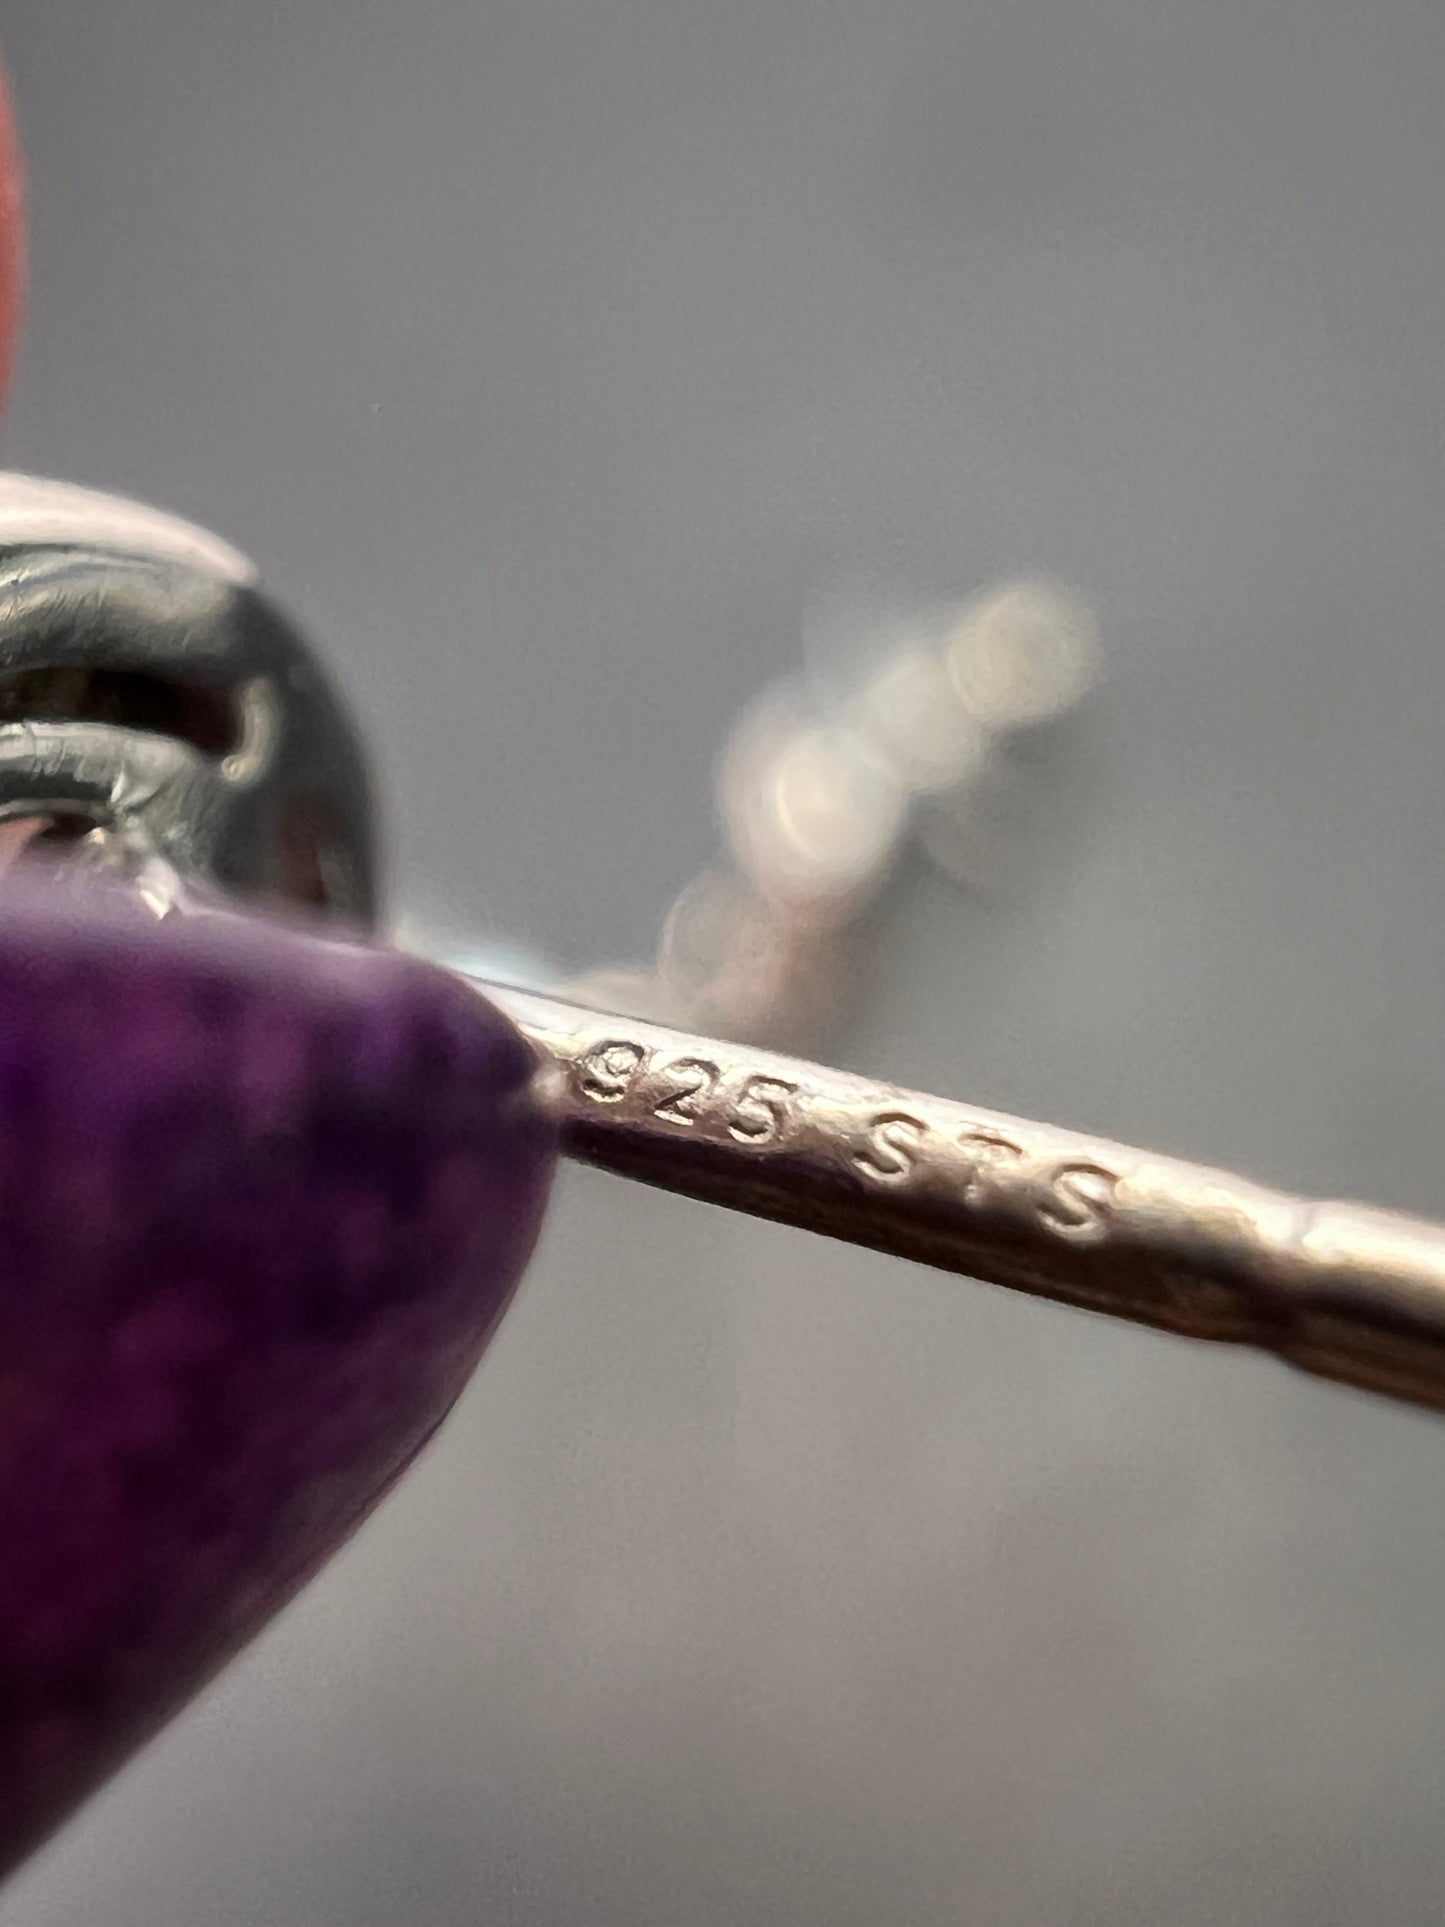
(153, 699)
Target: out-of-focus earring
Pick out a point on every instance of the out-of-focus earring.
(911, 726)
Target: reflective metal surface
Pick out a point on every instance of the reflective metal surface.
(147, 686)
(1338, 1289)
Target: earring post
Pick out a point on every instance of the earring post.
(1345, 1291)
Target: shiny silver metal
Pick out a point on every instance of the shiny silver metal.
(149, 689)
(1342, 1290)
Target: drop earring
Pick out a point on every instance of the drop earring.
(266, 1185)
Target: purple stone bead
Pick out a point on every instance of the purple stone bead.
(263, 1199)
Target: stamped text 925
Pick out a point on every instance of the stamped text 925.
(1073, 1198)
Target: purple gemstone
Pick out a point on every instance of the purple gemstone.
(263, 1199)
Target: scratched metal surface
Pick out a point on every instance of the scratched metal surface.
(551, 357)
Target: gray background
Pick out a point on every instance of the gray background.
(551, 355)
